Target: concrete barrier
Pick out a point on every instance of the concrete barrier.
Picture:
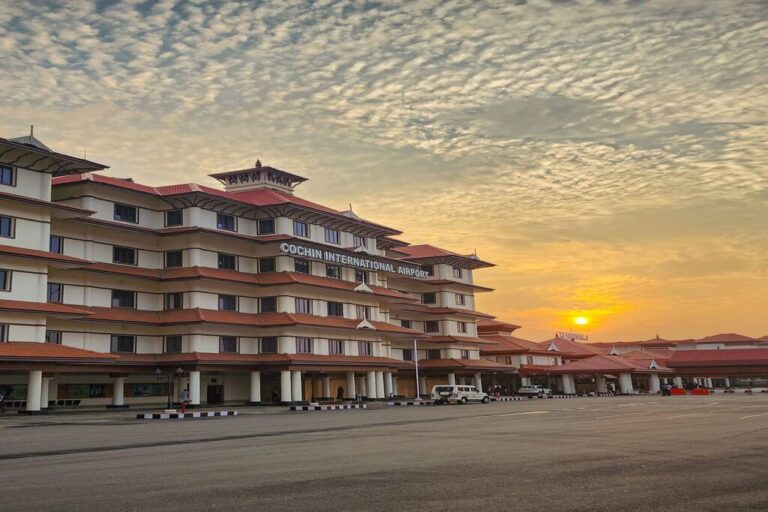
(334, 407)
(411, 402)
(186, 415)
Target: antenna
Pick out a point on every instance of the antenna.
(85, 154)
(31, 130)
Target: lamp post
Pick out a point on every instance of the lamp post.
(168, 375)
(416, 362)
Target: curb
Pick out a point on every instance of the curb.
(181, 416)
(344, 407)
(395, 404)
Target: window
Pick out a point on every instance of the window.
(227, 303)
(267, 264)
(429, 269)
(228, 344)
(303, 346)
(301, 229)
(6, 227)
(359, 241)
(332, 236)
(124, 255)
(457, 273)
(361, 276)
(55, 292)
(53, 337)
(407, 354)
(226, 222)
(465, 354)
(431, 326)
(268, 305)
(461, 299)
(5, 280)
(227, 261)
(365, 348)
(333, 271)
(3, 333)
(123, 299)
(335, 309)
(56, 244)
(433, 353)
(124, 344)
(268, 345)
(174, 300)
(406, 323)
(428, 298)
(126, 213)
(361, 312)
(174, 217)
(336, 347)
(173, 344)
(7, 176)
(303, 306)
(266, 226)
(462, 326)
(301, 266)
(174, 259)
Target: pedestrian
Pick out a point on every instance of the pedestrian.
(340, 393)
(2, 402)
(184, 397)
(275, 394)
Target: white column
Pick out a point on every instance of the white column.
(44, 388)
(451, 379)
(394, 386)
(423, 386)
(679, 382)
(600, 384)
(194, 387)
(569, 386)
(625, 383)
(285, 386)
(525, 381)
(709, 382)
(727, 382)
(478, 382)
(380, 385)
(389, 388)
(118, 392)
(463, 381)
(296, 387)
(350, 391)
(653, 383)
(327, 387)
(34, 385)
(370, 385)
(255, 387)
(363, 387)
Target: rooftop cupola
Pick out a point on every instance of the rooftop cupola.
(258, 176)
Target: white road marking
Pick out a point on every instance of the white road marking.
(522, 413)
(754, 415)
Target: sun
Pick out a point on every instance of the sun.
(581, 320)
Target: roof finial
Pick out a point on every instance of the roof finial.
(350, 206)
(85, 154)
(31, 130)
(258, 163)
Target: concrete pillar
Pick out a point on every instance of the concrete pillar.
(327, 388)
(601, 386)
(350, 391)
(34, 386)
(389, 388)
(679, 382)
(363, 387)
(709, 383)
(423, 386)
(452, 379)
(653, 384)
(194, 388)
(296, 387)
(394, 386)
(727, 382)
(44, 388)
(380, 385)
(525, 381)
(625, 383)
(118, 392)
(478, 382)
(370, 385)
(255, 387)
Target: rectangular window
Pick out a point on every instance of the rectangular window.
(365, 348)
(335, 309)
(174, 259)
(126, 213)
(433, 353)
(56, 244)
(174, 301)
(123, 344)
(266, 226)
(462, 326)
(303, 306)
(267, 264)
(361, 276)
(5, 280)
(227, 261)
(336, 347)
(301, 266)
(359, 241)
(457, 273)
(123, 299)
(228, 344)
(529, 359)
(429, 298)
(465, 354)
(268, 305)
(301, 229)
(431, 326)
(226, 222)
(332, 236)
(333, 271)
(303, 345)
(55, 292)
(53, 337)
(268, 345)
(3, 333)
(461, 299)
(407, 324)
(173, 344)
(227, 303)
(174, 218)
(7, 225)
(361, 312)
(429, 269)
(407, 354)
(124, 255)
(7, 176)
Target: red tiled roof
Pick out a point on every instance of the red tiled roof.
(647, 355)
(722, 357)
(304, 359)
(505, 345)
(64, 208)
(457, 339)
(426, 252)
(465, 364)
(22, 306)
(725, 338)
(490, 326)
(47, 351)
(35, 254)
(442, 282)
(429, 310)
(572, 348)
(606, 364)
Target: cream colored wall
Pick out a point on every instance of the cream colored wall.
(32, 184)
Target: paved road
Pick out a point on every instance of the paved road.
(590, 454)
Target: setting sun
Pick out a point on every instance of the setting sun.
(581, 320)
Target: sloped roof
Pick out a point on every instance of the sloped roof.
(490, 326)
(571, 348)
(22, 306)
(505, 344)
(606, 364)
(465, 364)
(725, 338)
(428, 253)
(722, 357)
(18, 350)
(29, 153)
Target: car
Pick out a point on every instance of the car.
(447, 393)
(534, 390)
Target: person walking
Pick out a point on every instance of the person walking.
(340, 393)
(184, 397)
(2, 402)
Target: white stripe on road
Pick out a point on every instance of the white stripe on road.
(523, 413)
(754, 415)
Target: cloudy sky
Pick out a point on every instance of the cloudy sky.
(610, 157)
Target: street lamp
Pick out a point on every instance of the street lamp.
(168, 375)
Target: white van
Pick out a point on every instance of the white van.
(446, 393)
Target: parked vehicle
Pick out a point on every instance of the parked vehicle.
(534, 390)
(446, 393)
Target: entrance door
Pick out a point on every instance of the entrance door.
(215, 394)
